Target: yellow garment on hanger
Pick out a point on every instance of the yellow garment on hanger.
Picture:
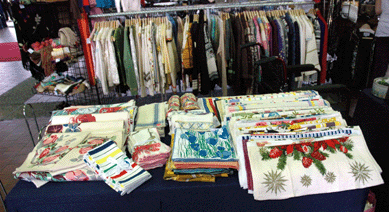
(187, 53)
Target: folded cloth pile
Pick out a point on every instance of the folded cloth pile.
(194, 120)
(86, 127)
(147, 150)
(70, 134)
(295, 144)
(59, 157)
(117, 170)
(171, 173)
(152, 116)
(196, 150)
(330, 162)
(79, 111)
(208, 105)
(221, 104)
(64, 85)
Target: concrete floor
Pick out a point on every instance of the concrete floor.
(15, 140)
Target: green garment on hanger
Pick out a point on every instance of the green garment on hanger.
(129, 64)
(118, 35)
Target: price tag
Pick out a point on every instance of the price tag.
(88, 41)
(30, 51)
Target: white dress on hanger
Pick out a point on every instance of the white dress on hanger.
(160, 59)
(112, 67)
(100, 61)
(170, 40)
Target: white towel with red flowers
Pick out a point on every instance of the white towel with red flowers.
(284, 168)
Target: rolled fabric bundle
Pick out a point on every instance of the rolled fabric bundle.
(189, 102)
(173, 104)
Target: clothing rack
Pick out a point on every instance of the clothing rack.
(204, 7)
(207, 7)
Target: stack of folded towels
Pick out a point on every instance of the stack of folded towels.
(117, 170)
(206, 152)
(152, 116)
(147, 150)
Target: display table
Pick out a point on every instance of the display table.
(372, 115)
(160, 195)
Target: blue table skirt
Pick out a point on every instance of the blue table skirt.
(160, 195)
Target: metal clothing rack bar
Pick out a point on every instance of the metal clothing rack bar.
(40, 130)
(203, 7)
(28, 125)
(1, 195)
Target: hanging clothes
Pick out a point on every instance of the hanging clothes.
(86, 46)
(203, 51)
(128, 65)
(324, 46)
(173, 61)
(212, 74)
(187, 53)
(35, 22)
(292, 40)
(119, 50)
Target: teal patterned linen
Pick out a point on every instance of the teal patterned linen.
(202, 171)
(203, 146)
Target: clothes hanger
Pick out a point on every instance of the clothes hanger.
(97, 31)
(256, 14)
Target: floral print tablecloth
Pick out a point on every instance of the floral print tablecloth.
(206, 146)
(319, 166)
(58, 157)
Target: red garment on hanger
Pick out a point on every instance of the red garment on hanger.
(323, 62)
(83, 26)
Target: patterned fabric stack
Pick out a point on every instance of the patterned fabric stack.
(147, 150)
(194, 120)
(152, 116)
(203, 152)
(184, 112)
(295, 144)
(70, 134)
(117, 170)
(171, 173)
(97, 113)
(59, 157)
